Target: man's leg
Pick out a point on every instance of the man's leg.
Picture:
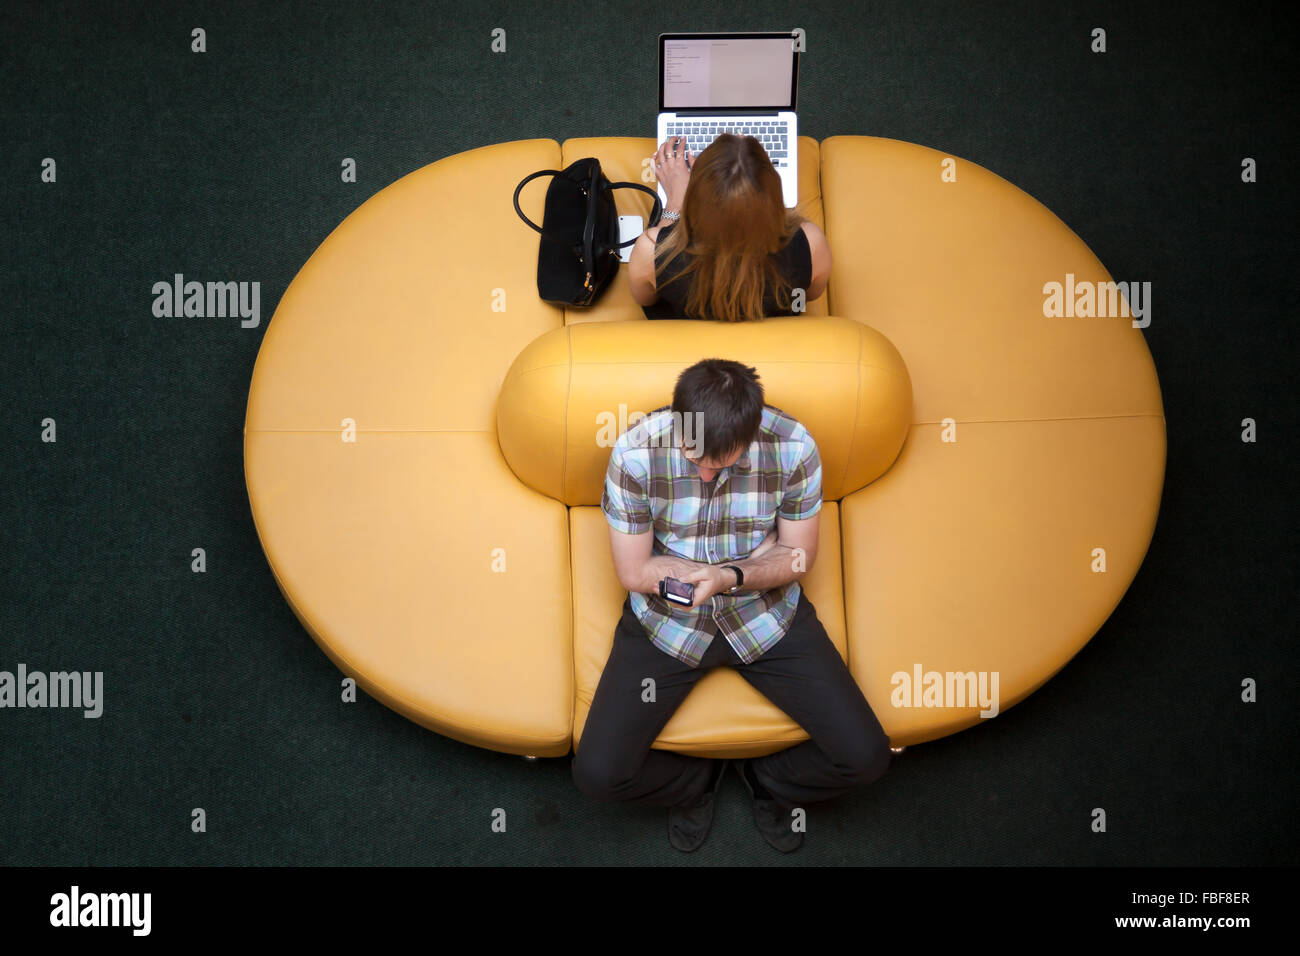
(614, 760)
(804, 675)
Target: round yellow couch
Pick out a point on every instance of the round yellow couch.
(424, 446)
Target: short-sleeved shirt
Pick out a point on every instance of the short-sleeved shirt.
(651, 484)
(794, 261)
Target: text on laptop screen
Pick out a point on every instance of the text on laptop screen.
(727, 73)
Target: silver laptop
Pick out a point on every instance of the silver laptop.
(744, 83)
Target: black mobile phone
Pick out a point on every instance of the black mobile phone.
(679, 592)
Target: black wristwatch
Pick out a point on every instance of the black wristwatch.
(740, 579)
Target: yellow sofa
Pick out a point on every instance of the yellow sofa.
(424, 450)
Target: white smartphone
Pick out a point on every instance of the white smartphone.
(629, 227)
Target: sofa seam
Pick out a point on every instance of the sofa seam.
(844, 586)
(568, 528)
(484, 431)
(857, 413)
(1059, 418)
(883, 368)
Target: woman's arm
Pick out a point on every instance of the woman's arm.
(821, 259)
(641, 268)
(673, 172)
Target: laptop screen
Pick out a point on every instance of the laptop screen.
(727, 71)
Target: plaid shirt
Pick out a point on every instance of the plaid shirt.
(651, 484)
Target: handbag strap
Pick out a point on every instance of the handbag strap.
(655, 213)
(518, 189)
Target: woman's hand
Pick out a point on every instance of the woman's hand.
(673, 169)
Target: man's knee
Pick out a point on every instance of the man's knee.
(880, 758)
(596, 775)
(865, 757)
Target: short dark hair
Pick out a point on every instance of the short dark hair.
(729, 400)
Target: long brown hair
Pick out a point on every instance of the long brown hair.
(733, 219)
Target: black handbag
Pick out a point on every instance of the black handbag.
(577, 255)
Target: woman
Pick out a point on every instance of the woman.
(736, 252)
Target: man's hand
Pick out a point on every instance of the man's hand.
(714, 578)
(709, 581)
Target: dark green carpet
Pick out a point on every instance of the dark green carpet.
(225, 165)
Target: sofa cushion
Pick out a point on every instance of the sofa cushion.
(388, 317)
(953, 273)
(573, 391)
(427, 573)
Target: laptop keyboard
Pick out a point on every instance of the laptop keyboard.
(773, 134)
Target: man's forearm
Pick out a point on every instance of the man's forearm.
(659, 567)
(776, 567)
(662, 566)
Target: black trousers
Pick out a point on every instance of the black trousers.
(802, 674)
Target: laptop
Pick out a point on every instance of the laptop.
(743, 83)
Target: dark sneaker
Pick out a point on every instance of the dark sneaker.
(772, 818)
(689, 826)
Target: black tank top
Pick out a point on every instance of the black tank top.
(794, 261)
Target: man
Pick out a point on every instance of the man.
(730, 506)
